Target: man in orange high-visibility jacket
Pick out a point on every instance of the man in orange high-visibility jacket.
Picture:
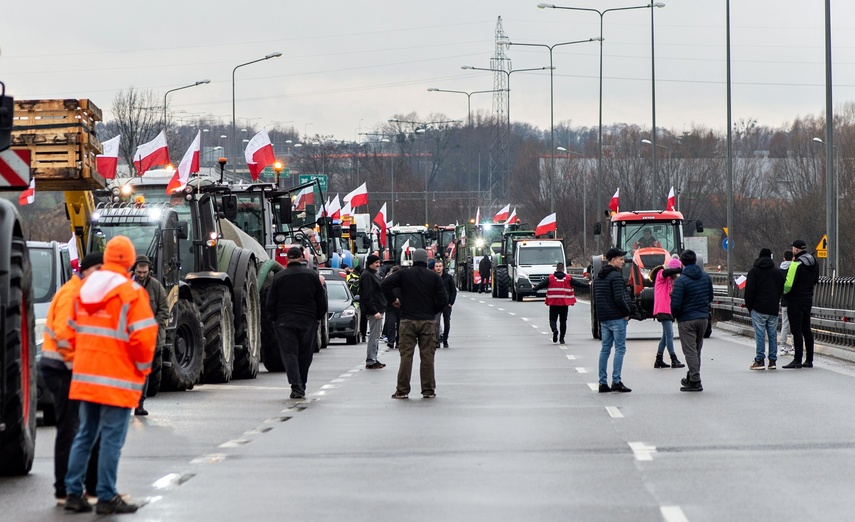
(115, 335)
(55, 367)
(559, 297)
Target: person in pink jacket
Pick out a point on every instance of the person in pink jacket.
(663, 284)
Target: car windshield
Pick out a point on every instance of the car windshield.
(337, 291)
(250, 216)
(640, 234)
(44, 285)
(416, 239)
(541, 255)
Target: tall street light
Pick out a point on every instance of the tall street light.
(600, 133)
(234, 120)
(552, 110)
(567, 153)
(670, 152)
(200, 82)
(834, 251)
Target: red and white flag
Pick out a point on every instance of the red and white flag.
(512, 218)
(334, 210)
(672, 201)
(380, 221)
(151, 154)
(478, 216)
(346, 210)
(740, 281)
(106, 163)
(305, 197)
(358, 197)
(502, 215)
(259, 153)
(325, 211)
(613, 204)
(189, 164)
(546, 225)
(73, 254)
(29, 194)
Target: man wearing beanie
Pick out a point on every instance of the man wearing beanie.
(690, 305)
(763, 289)
(55, 366)
(373, 304)
(114, 338)
(422, 296)
(802, 276)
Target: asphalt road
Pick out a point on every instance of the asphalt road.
(517, 432)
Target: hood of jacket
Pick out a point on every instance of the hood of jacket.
(606, 270)
(559, 275)
(806, 259)
(100, 286)
(764, 263)
(693, 271)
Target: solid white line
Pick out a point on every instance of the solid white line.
(571, 357)
(673, 514)
(614, 412)
(594, 386)
(581, 370)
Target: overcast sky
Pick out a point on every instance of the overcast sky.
(349, 65)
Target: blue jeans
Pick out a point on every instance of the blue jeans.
(613, 331)
(667, 338)
(765, 326)
(112, 423)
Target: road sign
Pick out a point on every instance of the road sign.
(822, 254)
(305, 178)
(726, 242)
(15, 168)
(823, 243)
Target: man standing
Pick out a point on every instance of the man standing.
(613, 308)
(786, 347)
(802, 276)
(373, 305)
(159, 307)
(114, 338)
(422, 296)
(690, 305)
(484, 268)
(451, 290)
(296, 303)
(763, 289)
(55, 366)
(559, 298)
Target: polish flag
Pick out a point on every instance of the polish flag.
(29, 194)
(672, 201)
(259, 153)
(502, 216)
(346, 210)
(106, 163)
(740, 281)
(73, 254)
(613, 204)
(325, 209)
(358, 197)
(189, 164)
(406, 247)
(334, 209)
(546, 225)
(512, 218)
(478, 216)
(151, 154)
(305, 197)
(380, 221)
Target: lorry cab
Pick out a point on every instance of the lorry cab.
(650, 238)
(533, 261)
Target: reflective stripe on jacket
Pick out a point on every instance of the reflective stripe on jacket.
(560, 292)
(56, 346)
(114, 340)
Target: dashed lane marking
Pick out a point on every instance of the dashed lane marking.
(511, 313)
(524, 318)
(234, 443)
(571, 357)
(320, 393)
(594, 386)
(258, 431)
(545, 332)
(579, 369)
(328, 386)
(338, 380)
(642, 451)
(500, 309)
(673, 514)
(562, 346)
(211, 458)
(490, 305)
(614, 412)
(535, 326)
(171, 480)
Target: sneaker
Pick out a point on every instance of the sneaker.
(115, 505)
(604, 388)
(397, 395)
(619, 387)
(298, 395)
(692, 386)
(376, 365)
(429, 395)
(772, 365)
(139, 411)
(807, 364)
(445, 344)
(383, 339)
(684, 381)
(78, 504)
(757, 365)
(793, 364)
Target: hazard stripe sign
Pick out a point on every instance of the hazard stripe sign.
(15, 168)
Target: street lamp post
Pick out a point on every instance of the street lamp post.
(552, 111)
(200, 82)
(670, 152)
(833, 253)
(567, 153)
(392, 180)
(234, 120)
(602, 14)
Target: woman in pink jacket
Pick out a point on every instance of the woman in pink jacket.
(663, 284)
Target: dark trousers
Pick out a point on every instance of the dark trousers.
(297, 339)
(446, 324)
(67, 422)
(798, 312)
(485, 282)
(558, 314)
(391, 326)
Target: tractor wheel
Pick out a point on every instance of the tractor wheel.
(18, 438)
(248, 328)
(155, 378)
(270, 355)
(183, 368)
(595, 322)
(502, 283)
(214, 302)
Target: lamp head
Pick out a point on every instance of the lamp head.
(467, 67)
(562, 149)
(818, 140)
(432, 89)
(277, 54)
(277, 167)
(659, 4)
(201, 82)
(544, 6)
(646, 142)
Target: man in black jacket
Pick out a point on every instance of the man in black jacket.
(296, 303)
(451, 289)
(613, 308)
(485, 267)
(802, 276)
(373, 305)
(422, 296)
(763, 289)
(690, 305)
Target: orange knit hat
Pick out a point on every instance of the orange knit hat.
(120, 251)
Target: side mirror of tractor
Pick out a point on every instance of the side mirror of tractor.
(335, 231)
(182, 230)
(352, 230)
(284, 206)
(366, 242)
(699, 226)
(7, 110)
(230, 206)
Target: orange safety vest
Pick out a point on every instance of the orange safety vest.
(56, 345)
(115, 333)
(560, 292)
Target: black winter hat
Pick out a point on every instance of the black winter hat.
(765, 252)
(371, 259)
(92, 259)
(688, 257)
(800, 244)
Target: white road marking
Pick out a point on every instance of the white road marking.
(545, 332)
(535, 326)
(337, 380)
(579, 369)
(614, 412)
(355, 370)
(571, 357)
(346, 375)
(328, 386)
(230, 386)
(482, 302)
(594, 386)
(673, 514)
(234, 443)
(167, 481)
(524, 318)
(511, 313)
(500, 309)
(642, 451)
(490, 305)
(562, 346)
(258, 431)
(320, 392)
(211, 458)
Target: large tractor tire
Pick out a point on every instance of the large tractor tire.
(155, 378)
(595, 322)
(502, 283)
(248, 328)
(183, 368)
(270, 355)
(17, 326)
(214, 302)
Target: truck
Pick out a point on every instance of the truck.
(532, 262)
(403, 239)
(473, 242)
(502, 280)
(650, 238)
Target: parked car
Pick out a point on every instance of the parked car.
(51, 269)
(343, 307)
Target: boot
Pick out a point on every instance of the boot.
(660, 363)
(675, 363)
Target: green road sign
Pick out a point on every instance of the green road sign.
(305, 178)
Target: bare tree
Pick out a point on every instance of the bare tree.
(137, 119)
